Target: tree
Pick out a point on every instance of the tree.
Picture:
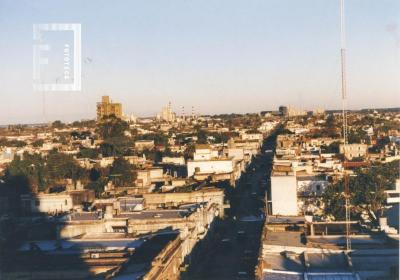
(88, 123)
(57, 124)
(116, 146)
(29, 173)
(189, 151)
(333, 147)
(12, 143)
(366, 190)
(112, 130)
(107, 150)
(111, 127)
(94, 174)
(97, 186)
(88, 153)
(159, 138)
(13, 187)
(357, 136)
(155, 155)
(61, 166)
(38, 143)
(201, 137)
(330, 121)
(122, 172)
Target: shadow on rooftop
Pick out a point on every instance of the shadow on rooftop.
(31, 248)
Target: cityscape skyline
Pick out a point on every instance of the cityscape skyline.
(219, 58)
(181, 140)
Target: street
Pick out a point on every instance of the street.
(233, 253)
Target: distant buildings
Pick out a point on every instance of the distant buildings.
(354, 150)
(142, 145)
(224, 164)
(300, 240)
(283, 110)
(295, 112)
(206, 161)
(318, 112)
(107, 108)
(290, 111)
(167, 114)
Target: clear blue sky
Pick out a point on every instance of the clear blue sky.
(219, 56)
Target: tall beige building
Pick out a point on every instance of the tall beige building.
(107, 108)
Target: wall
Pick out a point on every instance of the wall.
(47, 203)
(72, 229)
(212, 195)
(284, 195)
(218, 166)
(167, 265)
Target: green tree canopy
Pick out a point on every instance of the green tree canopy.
(58, 124)
(61, 166)
(30, 172)
(111, 127)
(366, 192)
(122, 172)
(88, 153)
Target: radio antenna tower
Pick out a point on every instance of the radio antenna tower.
(183, 113)
(344, 116)
(192, 112)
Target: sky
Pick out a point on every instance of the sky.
(220, 56)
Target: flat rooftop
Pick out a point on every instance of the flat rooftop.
(156, 214)
(328, 261)
(277, 275)
(84, 216)
(275, 219)
(285, 238)
(279, 262)
(78, 245)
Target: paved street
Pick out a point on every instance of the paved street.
(233, 253)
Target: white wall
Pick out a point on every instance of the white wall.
(236, 153)
(156, 173)
(284, 195)
(174, 160)
(205, 154)
(50, 203)
(210, 166)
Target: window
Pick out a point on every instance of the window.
(66, 202)
(318, 188)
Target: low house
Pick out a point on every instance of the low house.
(174, 160)
(47, 203)
(142, 145)
(131, 204)
(354, 150)
(204, 152)
(143, 178)
(216, 165)
(156, 174)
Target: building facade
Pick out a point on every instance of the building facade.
(107, 108)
